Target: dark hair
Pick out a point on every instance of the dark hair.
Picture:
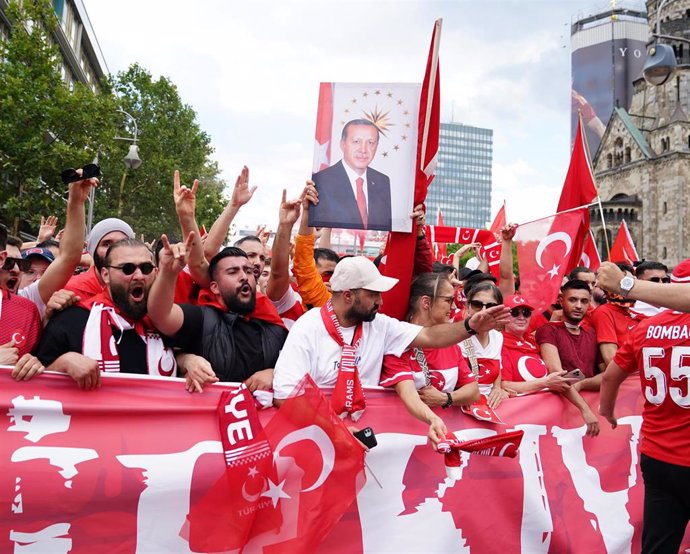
(575, 272)
(424, 284)
(326, 254)
(481, 287)
(477, 279)
(575, 284)
(343, 135)
(377, 260)
(248, 238)
(48, 243)
(159, 246)
(650, 266)
(438, 267)
(227, 252)
(3, 237)
(625, 267)
(14, 241)
(122, 243)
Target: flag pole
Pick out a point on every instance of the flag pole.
(589, 164)
(432, 84)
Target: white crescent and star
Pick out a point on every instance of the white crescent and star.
(319, 437)
(559, 236)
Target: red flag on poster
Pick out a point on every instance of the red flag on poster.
(590, 255)
(398, 258)
(544, 247)
(441, 247)
(324, 125)
(623, 248)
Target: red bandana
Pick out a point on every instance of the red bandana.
(264, 309)
(348, 397)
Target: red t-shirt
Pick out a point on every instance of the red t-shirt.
(575, 351)
(85, 285)
(19, 321)
(660, 348)
(447, 368)
(613, 323)
(521, 360)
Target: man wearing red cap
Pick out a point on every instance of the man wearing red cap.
(659, 348)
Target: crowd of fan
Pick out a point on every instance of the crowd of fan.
(265, 316)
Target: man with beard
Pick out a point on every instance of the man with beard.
(78, 340)
(342, 344)
(237, 335)
(104, 233)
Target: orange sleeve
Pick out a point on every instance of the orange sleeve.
(309, 283)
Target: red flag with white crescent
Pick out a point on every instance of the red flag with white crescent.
(324, 125)
(623, 248)
(544, 248)
(590, 255)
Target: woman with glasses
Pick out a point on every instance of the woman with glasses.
(523, 369)
(483, 350)
(430, 377)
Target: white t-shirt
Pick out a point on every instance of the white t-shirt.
(309, 348)
(31, 293)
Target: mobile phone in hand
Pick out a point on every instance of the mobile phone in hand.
(366, 437)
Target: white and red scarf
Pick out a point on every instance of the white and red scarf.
(99, 343)
(348, 396)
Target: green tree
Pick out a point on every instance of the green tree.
(35, 102)
(169, 138)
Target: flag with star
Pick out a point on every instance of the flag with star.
(623, 248)
(544, 248)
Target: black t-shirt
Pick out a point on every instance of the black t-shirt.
(65, 333)
(249, 356)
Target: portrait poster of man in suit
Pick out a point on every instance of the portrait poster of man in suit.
(372, 131)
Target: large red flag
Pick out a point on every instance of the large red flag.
(544, 248)
(398, 258)
(623, 248)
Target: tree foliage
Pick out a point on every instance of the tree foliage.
(35, 100)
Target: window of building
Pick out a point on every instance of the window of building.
(609, 161)
(627, 154)
(663, 253)
(665, 207)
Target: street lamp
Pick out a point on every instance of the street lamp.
(661, 59)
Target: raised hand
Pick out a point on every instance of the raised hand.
(47, 229)
(172, 256)
(242, 193)
(80, 190)
(185, 198)
(290, 210)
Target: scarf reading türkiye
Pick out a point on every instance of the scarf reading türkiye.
(348, 397)
(100, 345)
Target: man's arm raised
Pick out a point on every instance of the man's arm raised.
(446, 334)
(279, 281)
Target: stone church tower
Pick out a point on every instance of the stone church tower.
(642, 166)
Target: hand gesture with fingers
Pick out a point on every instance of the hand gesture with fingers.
(172, 257)
(310, 195)
(185, 198)
(289, 210)
(47, 229)
(242, 193)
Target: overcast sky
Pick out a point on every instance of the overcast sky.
(251, 70)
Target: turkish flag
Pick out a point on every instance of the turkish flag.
(441, 248)
(319, 469)
(504, 445)
(590, 255)
(544, 248)
(398, 257)
(481, 411)
(623, 248)
(324, 124)
(500, 220)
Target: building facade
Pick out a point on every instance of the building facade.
(82, 59)
(462, 187)
(642, 167)
(608, 50)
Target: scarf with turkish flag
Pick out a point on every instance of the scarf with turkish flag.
(623, 248)
(544, 248)
(578, 190)
(398, 256)
(466, 235)
(263, 310)
(504, 445)
(348, 396)
(98, 337)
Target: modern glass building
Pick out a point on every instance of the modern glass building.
(462, 187)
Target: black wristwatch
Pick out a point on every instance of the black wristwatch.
(449, 402)
(469, 329)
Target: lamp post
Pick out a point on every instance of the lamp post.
(661, 59)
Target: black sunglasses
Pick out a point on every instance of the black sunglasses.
(22, 264)
(660, 279)
(477, 305)
(89, 171)
(130, 268)
(526, 312)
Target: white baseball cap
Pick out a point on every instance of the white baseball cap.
(359, 272)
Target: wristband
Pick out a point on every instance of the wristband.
(469, 329)
(449, 402)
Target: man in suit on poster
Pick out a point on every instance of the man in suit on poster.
(352, 195)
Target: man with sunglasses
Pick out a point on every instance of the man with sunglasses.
(20, 323)
(656, 272)
(79, 341)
